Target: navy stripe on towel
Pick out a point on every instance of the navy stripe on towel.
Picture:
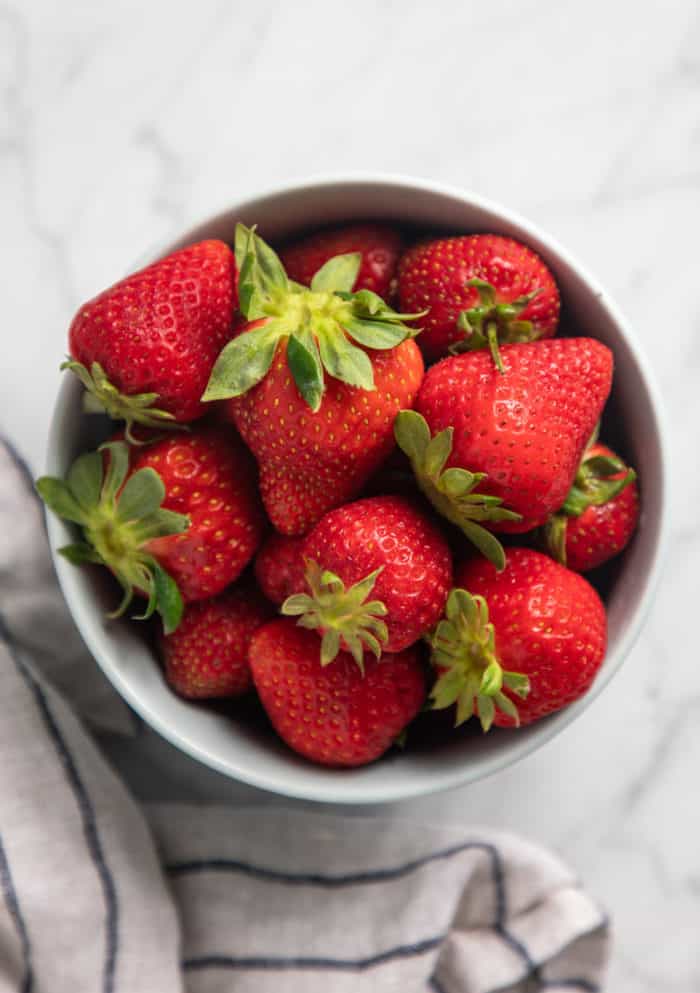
(573, 984)
(10, 894)
(273, 963)
(330, 881)
(87, 812)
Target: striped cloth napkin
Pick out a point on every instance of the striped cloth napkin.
(101, 895)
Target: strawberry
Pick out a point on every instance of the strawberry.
(144, 349)
(208, 654)
(519, 644)
(333, 714)
(279, 567)
(378, 244)
(175, 520)
(382, 546)
(313, 382)
(506, 446)
(480, 289)
(599, 515)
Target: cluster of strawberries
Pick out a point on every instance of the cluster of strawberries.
(257, 390)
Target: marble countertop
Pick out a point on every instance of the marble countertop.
(121, 123)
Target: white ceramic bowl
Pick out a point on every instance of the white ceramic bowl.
(255, 756)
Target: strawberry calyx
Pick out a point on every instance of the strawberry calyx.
(119, 516)
(323, 325)
(453, 492)
(346, 619)
(491, 323)
(463, 650)
(594, 485)
(102, 397)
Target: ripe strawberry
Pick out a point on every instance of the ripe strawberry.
(316, 409)
(599, 515)
(480, 289)
(279, 567)
(511, 441)
(144, 349)
(384, 546)
(540, 650)
(333, 714)
(208, 654)
(378, 244)
(180, 522)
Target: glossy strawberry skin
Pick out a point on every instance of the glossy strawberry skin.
(526, 428)
(600, 533)
(207, 656)
(209, 475)
(310, 462)
(279, 567)
(379, 244)
(434, 275)
(549, 622)
(390, 533)
(161, 329)
(333, 715)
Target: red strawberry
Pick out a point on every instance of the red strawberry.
(316, 408)
(511, 441)
(208, 654)
(181, 522)
(599, 515)
(144, 349)
(384, 546)
(480, 289)
(279, 567)
(518, 644)
(378, 244)
(333, 714)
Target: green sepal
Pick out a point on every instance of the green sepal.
(594, 486)
(104, 398)
(305, 366)
(338, 274)
(554, 535)
(119, 515)
(491, 323)
(463, 650)
(454, 491)
(326, 315)
(243, 362)
(345, 618)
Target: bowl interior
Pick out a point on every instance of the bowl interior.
(246, 749)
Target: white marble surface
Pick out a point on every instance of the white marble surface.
(121, 122)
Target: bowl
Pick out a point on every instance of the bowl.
(251, 753)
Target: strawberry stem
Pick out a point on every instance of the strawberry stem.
(327, 327)
(463, 650)
(453, 492)
(344, 617)
(119, 514)
(491, 323)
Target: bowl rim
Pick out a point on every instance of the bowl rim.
(335, 791)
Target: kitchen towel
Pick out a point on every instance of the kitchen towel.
(99, 894)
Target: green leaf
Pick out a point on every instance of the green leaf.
(168, 599)
(458, 482)
(337, 274)
(437, 453)
(604, 465)
(375, 334)
(298, 603)
(487, 543)
(305, 366)
(486, 710)
(80, 553)
(242, 363)
(117, 468)
(346, 362)
(142, 495)
(56, 495)
(330, 646)
(161, 524)
(412, 435)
